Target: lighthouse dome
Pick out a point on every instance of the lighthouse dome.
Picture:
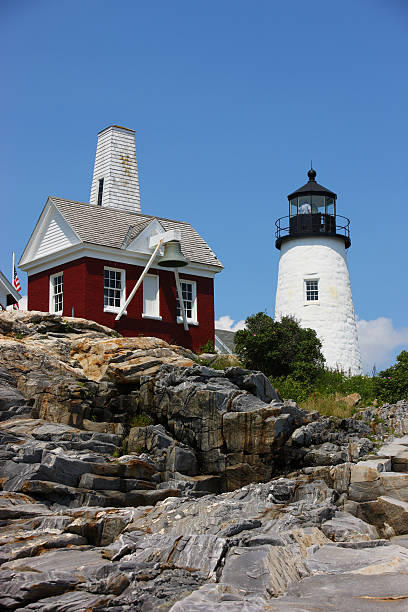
(312, 187)
(312, 210)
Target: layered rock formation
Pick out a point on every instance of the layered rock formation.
(134, 479)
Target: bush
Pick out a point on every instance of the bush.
(392, 384)
(279, 348)
(140, 420)
(326, 384)
(208, 347)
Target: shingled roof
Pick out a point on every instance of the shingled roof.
(109, 227)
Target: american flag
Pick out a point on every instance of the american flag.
(16, 284)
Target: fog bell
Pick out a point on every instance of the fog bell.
(172, 257)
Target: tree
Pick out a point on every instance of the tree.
(392, 384)
(279, 348)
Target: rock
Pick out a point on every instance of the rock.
(381, 559)
(388, 483)
(345, 592)
(32, 545)
(388, 514)
(255, 383)
(262, 570)
(219, 597)
(368, 471)
(201, 553)
(225, 425)
(18, 588)
(77, 601)
(170, 456)
(124, 360)
(350, 400)
(344, 527)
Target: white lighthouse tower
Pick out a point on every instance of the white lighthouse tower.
(314, 283)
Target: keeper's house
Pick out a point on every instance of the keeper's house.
(85, 259)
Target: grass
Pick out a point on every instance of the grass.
(140, 420)
(222, 362)
(328, 406)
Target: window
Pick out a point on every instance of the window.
(113, 289)
(312, 290)
(56, 293)
(151, 305)
(188, 290)
(100, 192)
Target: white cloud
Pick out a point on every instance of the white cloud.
(378, 342)
(227, 323)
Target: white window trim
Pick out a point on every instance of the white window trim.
(148, 316)
(193, 320)
(114, 309)
(51, 293)
(307, 302)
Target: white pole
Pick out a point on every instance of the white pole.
(136, 287)
(12, 271)
(180, 297)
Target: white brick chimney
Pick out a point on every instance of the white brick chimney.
(115, 180)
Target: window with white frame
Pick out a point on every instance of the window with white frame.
(189, 293)
(312, 290)
(113, 289)
(151, 304)
(56, 293)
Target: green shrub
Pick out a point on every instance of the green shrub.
(140, 420)
(327, 385)
(289, 388)
(392, 384)
(279, 348)
(208, 347)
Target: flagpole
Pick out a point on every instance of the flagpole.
(12, 271)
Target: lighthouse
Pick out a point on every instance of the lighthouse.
(313, 281)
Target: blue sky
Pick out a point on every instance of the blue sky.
(230, 100)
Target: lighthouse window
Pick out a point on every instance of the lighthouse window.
(113, 289)
(312, 290)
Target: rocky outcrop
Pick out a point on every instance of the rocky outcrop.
(133, 479)
(56, 360)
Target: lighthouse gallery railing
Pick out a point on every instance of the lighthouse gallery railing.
(311, 225)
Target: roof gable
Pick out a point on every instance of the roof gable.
(52, 233)
(141, 243)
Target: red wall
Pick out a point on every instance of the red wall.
(83, 290)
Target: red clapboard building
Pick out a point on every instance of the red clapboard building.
(83, 260)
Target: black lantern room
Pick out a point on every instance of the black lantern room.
(312, 210)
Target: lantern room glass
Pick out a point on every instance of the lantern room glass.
(312, 204)
(293, 209)
(330, 206)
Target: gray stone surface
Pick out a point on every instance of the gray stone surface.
(96, 513)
